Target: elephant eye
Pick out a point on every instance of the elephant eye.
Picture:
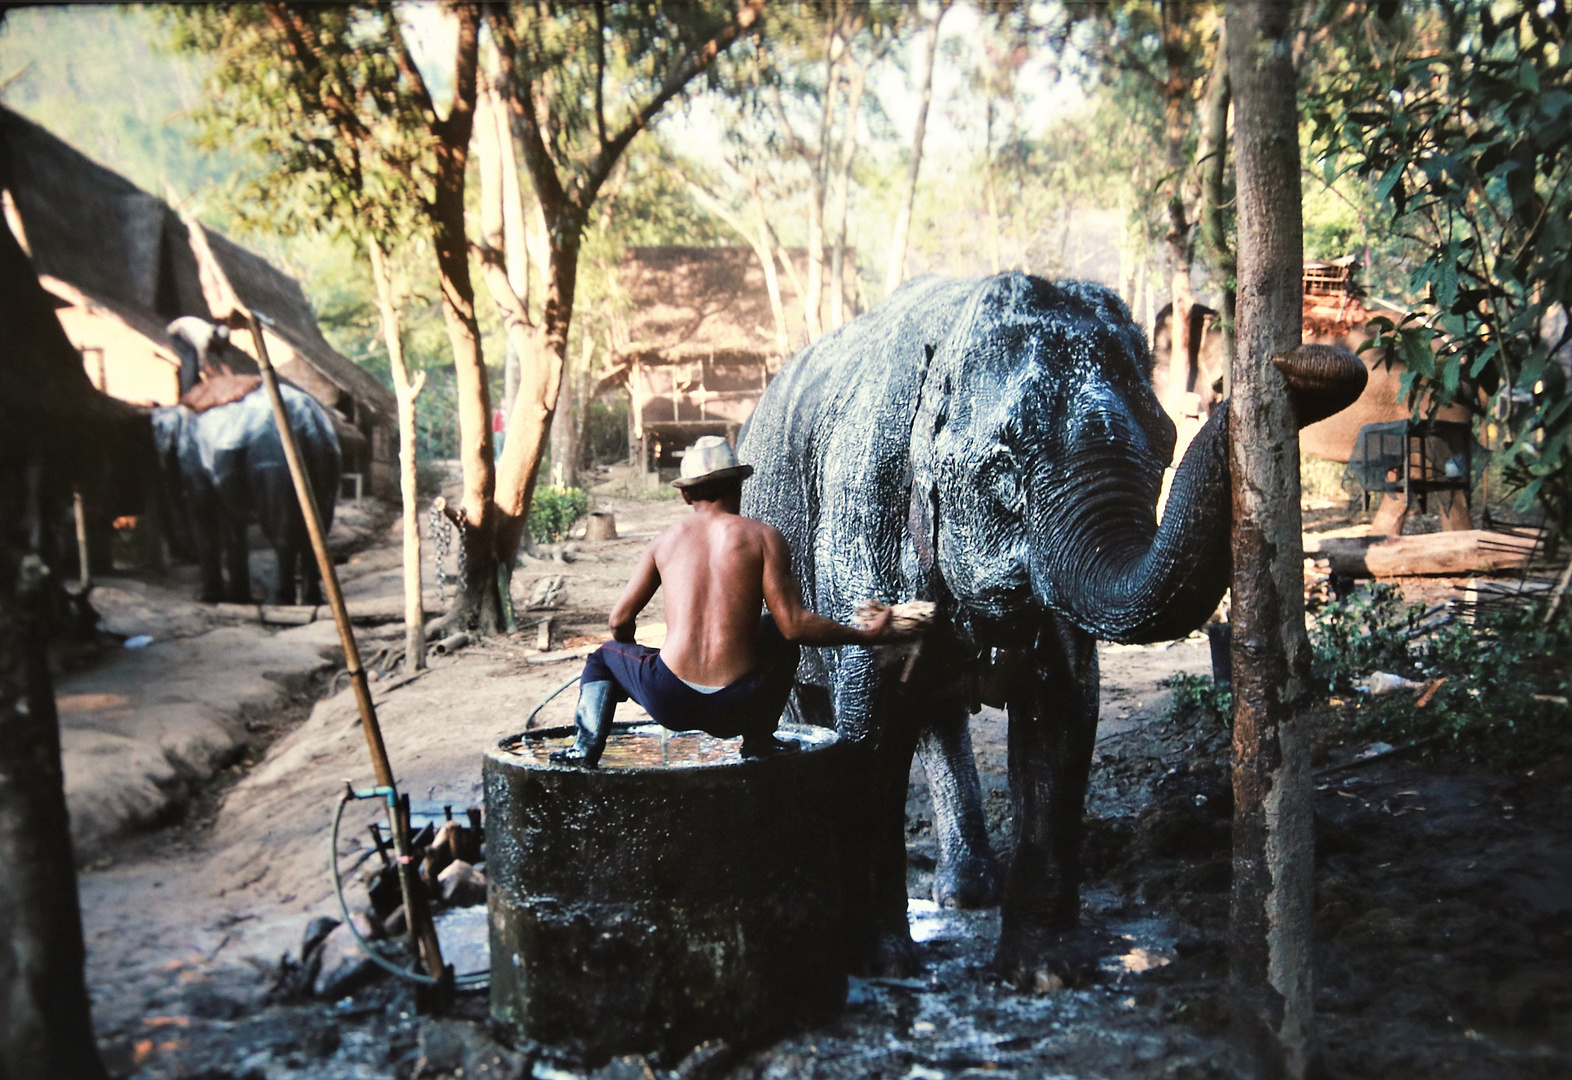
(999, 476)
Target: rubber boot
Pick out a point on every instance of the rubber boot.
(592, 724)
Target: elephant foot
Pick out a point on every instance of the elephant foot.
(969, 882)
(1046, 960)
(893, 956)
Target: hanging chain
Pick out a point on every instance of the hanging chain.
(442, 533)
(441, 540)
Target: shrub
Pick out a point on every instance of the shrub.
(1496, 689)
(554, 510)
(1198, 694)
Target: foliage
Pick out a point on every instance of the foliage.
(554, 510)
(95, 76)
(604, 435)
(1460, 112)
(1369, 630)
(1497, 688)
(291, 116)
(1198, 694)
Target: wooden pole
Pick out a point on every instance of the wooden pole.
(1269, 936)
(417, 915)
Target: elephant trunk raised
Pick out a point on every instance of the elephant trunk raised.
(1101, 557)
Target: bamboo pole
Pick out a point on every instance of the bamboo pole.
(416, 913)
(222, 297)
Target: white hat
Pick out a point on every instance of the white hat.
(711, 458)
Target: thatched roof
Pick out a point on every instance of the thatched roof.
(49, 411)
(127, 250)
(693, 302)
(262, 287)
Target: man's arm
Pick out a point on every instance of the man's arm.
(641, 586)
(798, 624)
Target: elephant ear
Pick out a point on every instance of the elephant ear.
(932, 412)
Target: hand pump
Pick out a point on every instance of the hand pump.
(221, 297)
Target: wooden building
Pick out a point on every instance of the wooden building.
(701, 342)
(119, 265)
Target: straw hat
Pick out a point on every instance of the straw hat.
(711, 458)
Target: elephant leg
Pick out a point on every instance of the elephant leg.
(238, 552)
(310, 575)
(888, 947)
(282, 588)
(207, 533)
(873, 838)
(1053, 730)
(967, 875)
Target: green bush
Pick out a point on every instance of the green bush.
(554, 510)
(1495, 689)
(1198, 694)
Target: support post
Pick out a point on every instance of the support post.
(1273, 839)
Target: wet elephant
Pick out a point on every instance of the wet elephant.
(993, 446)
(223, 467)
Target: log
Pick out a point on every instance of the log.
(1473, 551)
(288, 614)
(383, 609)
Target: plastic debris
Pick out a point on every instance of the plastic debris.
(140, 641)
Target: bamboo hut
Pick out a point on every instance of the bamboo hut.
(117, 262)
(701, 343)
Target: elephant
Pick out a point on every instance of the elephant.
(223, 467)
(995, 447)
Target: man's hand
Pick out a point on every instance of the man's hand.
(881, 627)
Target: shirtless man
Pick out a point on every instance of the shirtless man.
(723, 669)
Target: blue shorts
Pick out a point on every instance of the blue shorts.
(750, 706)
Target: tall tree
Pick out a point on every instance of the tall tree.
(1273, 838)
(895, 270)
(361, 176)
(347, 74)
(579, 84)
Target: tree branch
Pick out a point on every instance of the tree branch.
(748, 12)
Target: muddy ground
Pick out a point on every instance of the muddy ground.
(1443, 896)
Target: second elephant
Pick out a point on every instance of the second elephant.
(224, 468)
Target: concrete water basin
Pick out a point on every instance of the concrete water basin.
(676, 894)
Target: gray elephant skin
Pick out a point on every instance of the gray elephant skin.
(224, 469)
(995, 447)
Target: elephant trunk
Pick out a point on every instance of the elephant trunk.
(1110, 567)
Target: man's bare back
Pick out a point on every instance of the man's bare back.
(717, 568)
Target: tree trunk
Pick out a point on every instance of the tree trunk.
(1180, 244)
(1212, 156)
(772, 282)
(843, 196)
(477, 605)
(895, 271)
(812, 306)
(46, 1027)
(529, 427)
(1273, 840)
(404, 391)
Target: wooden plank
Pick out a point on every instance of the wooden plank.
(1472, 551)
